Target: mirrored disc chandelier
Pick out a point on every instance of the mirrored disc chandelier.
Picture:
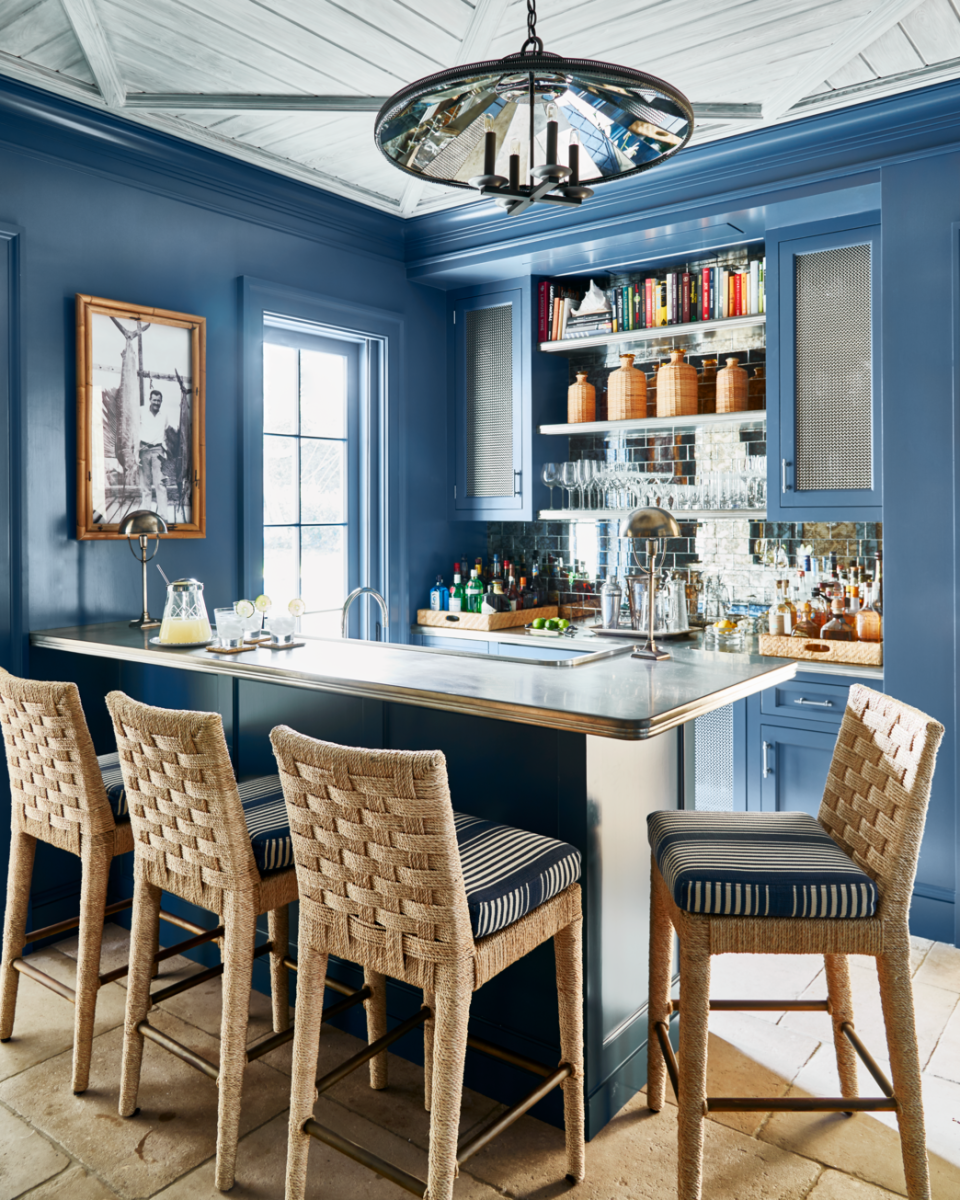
(533, 127)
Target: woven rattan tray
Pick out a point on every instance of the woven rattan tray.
(861, 654)
(464, 620)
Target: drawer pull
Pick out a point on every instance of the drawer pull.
(815, 703)
(767, 769)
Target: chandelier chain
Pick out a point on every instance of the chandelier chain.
(535, 43)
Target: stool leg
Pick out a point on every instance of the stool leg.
(22, 850)
(694, 1018)
(240, 927)
(376, 1008)
(95, 872)
(429, 1001)
(568, 950)
(661, 970)
(278, 930)
(452, 1015)
(896, 994)
(143, 938)
(841, 1010)
(311, 972)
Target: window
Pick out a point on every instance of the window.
(311, 470)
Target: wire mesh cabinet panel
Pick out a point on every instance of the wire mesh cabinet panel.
(488, 477)
(829, 376)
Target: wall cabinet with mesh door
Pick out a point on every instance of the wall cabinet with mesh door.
(502, 392)
(824, 424)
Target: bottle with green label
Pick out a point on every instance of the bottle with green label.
(458, 593)
(474, 593)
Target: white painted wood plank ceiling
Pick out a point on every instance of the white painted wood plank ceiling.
(787, 58)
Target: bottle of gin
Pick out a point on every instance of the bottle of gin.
(458, 593)
(439, 596)
(474, 592)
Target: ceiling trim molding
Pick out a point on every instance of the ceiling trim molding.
(92, 37)
(872, 89)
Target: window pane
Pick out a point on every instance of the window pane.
(322, 492)
(323, 567)
(280, 574)
(279, 389)
(279, 480)
(323, 387)
(323, 624)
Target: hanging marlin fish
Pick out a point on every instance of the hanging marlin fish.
(127, 409)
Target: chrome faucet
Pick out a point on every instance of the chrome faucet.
(350, 599)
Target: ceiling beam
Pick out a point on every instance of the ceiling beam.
(96, 49)
(883, 16)
(901, 82)
(728, 112)
(240, 101)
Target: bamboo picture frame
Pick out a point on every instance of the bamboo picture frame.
(141, 400)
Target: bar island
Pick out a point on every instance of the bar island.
(580, 750)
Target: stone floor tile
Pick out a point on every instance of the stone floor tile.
(775, 1047)
(862, 1146)
(261, 1162)
(762, 977)
(635, 1158)
(203, 1005)
(834, 1185)
(399, 1106)
(72, 1184)
(919, 949)
(26, 1157)
(176, 1129)
(945, 1060)
(941, 967)
(43, 1027)
(114, 949)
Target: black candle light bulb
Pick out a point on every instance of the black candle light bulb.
(490, 152)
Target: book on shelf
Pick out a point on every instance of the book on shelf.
(649, 300)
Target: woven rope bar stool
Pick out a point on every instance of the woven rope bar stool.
(784, 883)
(63, 794)
(390, 879)
(192, 837)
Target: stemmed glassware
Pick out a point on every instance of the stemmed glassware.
(568, 480)
(550, 474)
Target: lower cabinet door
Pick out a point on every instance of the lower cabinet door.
(793, 768)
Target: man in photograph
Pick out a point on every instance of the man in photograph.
(153, 438)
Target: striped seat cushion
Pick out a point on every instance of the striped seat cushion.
(263, 810)
(757, 865)
(509, 872)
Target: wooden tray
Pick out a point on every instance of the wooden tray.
(861, 654)
(467, 620)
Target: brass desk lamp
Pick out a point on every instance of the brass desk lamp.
(143, 525)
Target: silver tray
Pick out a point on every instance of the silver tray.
(625, 631)
(155, 641)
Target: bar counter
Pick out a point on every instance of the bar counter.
(582, 753)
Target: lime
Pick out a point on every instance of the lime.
(553, 623)
(539, 623)
(562, 623)
(297, 607)
(262, 603)
(244, 608)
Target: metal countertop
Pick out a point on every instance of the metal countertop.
(618, 697)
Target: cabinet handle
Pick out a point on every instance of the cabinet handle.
(783, 474)
(815, 703)
(517, 476)
(767, 769)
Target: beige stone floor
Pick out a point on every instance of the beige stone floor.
(57, 1146)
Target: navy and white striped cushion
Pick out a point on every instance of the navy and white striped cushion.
(509, 872)
(113, 782)
(757, 865)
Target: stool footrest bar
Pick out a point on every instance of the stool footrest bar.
(663, 1037)
(192, 981)
(48, 981)
(35, 935)
(478, 1141)
(800, 1104)
(371, 1051)
(364, 1157)
(883, 1083)
(180, 922)
(169, 952)
(517, 1060)
(764, 1005)
(177, 1048)
(270, 1043)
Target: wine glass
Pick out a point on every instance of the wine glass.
(568, 480)
(585, 480)
(550, 474)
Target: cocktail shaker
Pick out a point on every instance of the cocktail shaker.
(610, 596)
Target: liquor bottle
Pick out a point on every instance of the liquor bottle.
(494, 601)
(507, 571)
(478, 567)
(439, 596)
(536, 583)
(458, 593)
(528, 596)
(786, 610)
(775, 614)
(868, 623)
(474, 592)
(512, 594)
(806, 626)
(521, 571)
(820, 609)
(497, 569)
(837, 629)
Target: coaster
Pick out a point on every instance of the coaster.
(283, 646)
(229, 649)
(249, 643)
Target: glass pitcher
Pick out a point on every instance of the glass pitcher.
(185, 620)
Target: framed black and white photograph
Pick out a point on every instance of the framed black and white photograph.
(140, 417)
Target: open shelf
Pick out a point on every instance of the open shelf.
(658, 332)
(688, 514)
(701, 421)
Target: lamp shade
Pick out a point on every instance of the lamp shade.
(649, 523)
(141, 522)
